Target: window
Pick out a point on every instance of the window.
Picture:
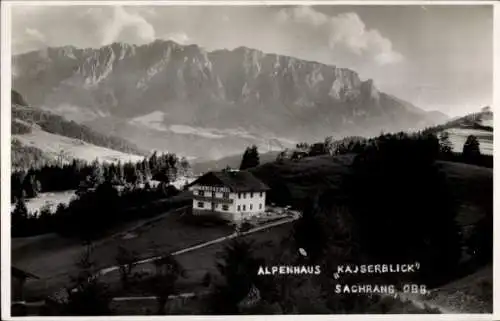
(225, 195)
(260, 206)
(251, 195)
(213, 194)
(239, 195)
(225, 207)
(244, 195)
(261, 194)
(251, 206)
(239, 208)
(244, 207)
(201, 193)
(200, 204)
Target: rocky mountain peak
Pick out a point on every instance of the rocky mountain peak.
(239, 88)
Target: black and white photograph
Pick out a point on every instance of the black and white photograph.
(239, 158)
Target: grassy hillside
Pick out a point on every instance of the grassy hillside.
(471, 293)
(232, 161)
(58, 125)
(292, 180)
(44, 146)
(477, 124)
(458, 136)
(480, 120)
(295, 180)
(27, 156)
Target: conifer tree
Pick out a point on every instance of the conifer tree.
(250, 158)
(471, 150)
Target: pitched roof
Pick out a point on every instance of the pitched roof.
(236, 181)
(18, 273)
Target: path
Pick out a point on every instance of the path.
(419, 303)
(205, 244)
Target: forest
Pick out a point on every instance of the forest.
(78, 174)
(56, 124)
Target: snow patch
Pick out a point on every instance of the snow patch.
(204, 132)
(153, 120)
(335, 89)
(51, 200)
(314, 78)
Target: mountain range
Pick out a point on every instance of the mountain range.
(208, 104)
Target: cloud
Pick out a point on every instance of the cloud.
(35, 34)
(126, 26)
(179, 37)
(342, 39)
(344, 32)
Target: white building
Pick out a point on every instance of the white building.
(231, 195)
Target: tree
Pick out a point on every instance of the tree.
(480, 243)
(20, 210)
(280, 158)
(153, 162)
(318, 149)
(162, 283)
(17, 185)
(238, 268)
(309, 231)
(19, 217)
(138, 177)
(125, 260)
(101, 205)
(303, 146)
(45, 210)
(329, 145)
(147, 171)
(96, 176)
(471, 151)
(207, 279)
(446, 147)
(402, 206)
(162, 176)
(186, 168)
(87, 295)
(62, 156)
(250, 158)
(31, 185)
(325, 230)
(121, 172)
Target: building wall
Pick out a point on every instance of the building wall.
(243, 205)
(250, 204)
(228, 213)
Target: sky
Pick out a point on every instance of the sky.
(436, 57)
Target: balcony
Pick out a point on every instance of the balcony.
(213, 199)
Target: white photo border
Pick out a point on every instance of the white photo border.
(5, 129)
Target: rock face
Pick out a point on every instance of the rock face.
(242, 89)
